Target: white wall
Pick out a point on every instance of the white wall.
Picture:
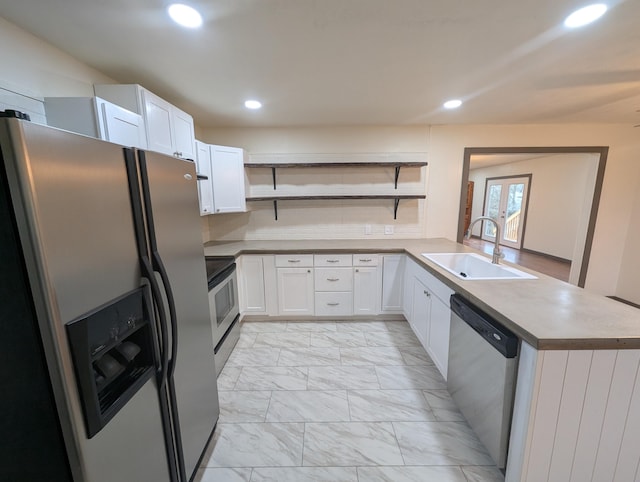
(326, 219)
(32, 67)
(446, 150)
(556, 198)
(629, 281)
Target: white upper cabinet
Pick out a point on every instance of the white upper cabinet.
(169, 130)
(96, 117)
(205, 188)
(227, 174)
(122, 126)
(157, 114)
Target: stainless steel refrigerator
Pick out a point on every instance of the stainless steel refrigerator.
(106, 353)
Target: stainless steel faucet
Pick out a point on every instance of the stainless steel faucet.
(497, 254)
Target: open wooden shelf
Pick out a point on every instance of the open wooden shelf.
(395, 197)
(274, 165)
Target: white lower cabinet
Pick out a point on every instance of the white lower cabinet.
(334, 303)
(438, 334)
(429, 314)
(392, 282)
(295, 291)
(366, 289)
(420, 311)
(257, 285)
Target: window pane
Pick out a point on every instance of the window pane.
(493, 209)
(514, 206)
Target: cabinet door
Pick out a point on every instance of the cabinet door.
(183, 134)
(205, 186)
(420, 311)
(157, 115)
(295, 291)
(227, 169)
(252, 285)
(365, 290)
(122, 126)
(438, 334)
(392, 281)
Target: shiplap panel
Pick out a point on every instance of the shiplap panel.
(523, 407)
(629, 458)
(573, 394)
(616, 413)
(593, 413)
(554, 365)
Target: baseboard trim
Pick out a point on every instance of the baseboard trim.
(384, 317)
(545, 255)
(626, 302)
(531, 251)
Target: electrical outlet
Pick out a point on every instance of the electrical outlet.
(388, 229)
(367, 229)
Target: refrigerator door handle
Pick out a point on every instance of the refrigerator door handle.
(145, 264)
(161, 319)
(158, 266)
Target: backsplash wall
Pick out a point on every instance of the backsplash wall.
(326, 219)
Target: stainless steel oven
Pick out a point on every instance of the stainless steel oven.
(223, 306)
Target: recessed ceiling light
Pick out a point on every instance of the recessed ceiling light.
(253, 104)
(585, 15)
(452, 104)
(185, 15)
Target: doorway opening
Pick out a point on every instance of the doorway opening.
(590, 159)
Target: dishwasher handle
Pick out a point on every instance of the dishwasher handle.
(498, 336)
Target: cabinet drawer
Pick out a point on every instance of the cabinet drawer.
(334, 279)
(294, 260)
(365, 260)
(332, 259)
(329, 303)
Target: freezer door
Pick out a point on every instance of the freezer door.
(73, 211)
(177, 225)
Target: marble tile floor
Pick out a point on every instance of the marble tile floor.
(338, 402)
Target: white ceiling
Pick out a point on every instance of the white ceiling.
(385, 62)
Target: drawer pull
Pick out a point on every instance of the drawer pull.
(333, 279)
(333, 261)
(293, 260)
(366, 260)
(333, 304)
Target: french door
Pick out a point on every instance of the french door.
(506, 202)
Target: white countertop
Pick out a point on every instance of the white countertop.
(547, 313)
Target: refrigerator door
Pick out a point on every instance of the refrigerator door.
(73, 212)
(178, 235)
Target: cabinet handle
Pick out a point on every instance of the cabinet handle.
(357, 271)
(293, 260)
(367, 260)
(333, 279)
(333, 304)
(308, 271)
(427, 293)
(333, 261)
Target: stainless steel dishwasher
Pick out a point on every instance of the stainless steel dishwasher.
(482, 374)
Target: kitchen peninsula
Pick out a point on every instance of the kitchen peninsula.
(577, 405)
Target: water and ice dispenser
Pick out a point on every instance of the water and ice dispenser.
(114, 354)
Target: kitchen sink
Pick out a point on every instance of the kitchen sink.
(472, 266)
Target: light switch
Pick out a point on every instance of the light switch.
(388, 229)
